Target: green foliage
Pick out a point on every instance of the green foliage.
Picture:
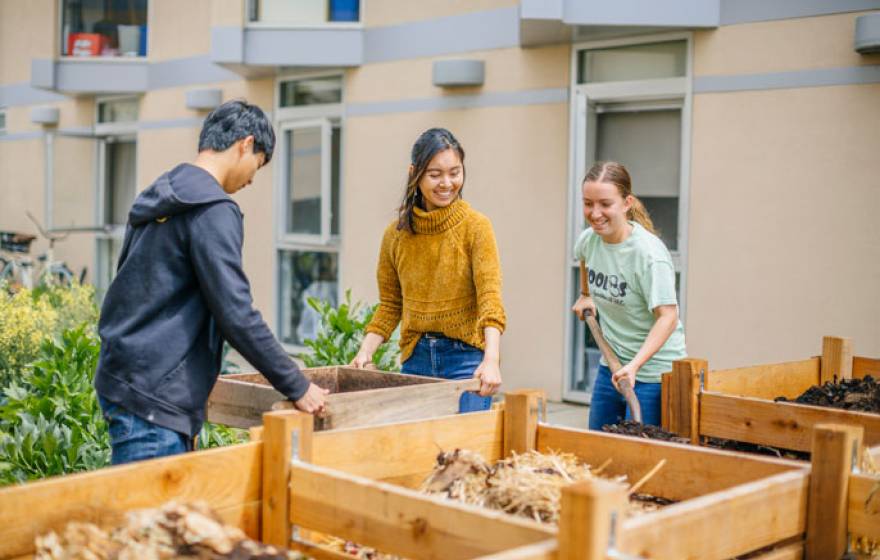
(218, 435)
(340, 334)
(50, 419)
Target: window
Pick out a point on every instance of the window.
(108, 28)
(631, 104)
(2, 121)
(303, 12)
(116, 128)
(308, 195)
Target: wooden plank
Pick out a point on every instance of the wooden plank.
(401, 521)
(836, 359)
(226, 478)
(589, 521)
(777, 424)
(684, 388)
(863, 367)
(404, 453)
(665, 382)
(793, 551)
(690, 471)
(723, 524)
(544, 550)
(279, 431)
(863, 505)
(521, 420)
(836, 450)
(767, 381)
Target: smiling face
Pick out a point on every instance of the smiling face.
(442, 180)
(605, 210)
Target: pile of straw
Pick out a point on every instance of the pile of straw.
(862, 546)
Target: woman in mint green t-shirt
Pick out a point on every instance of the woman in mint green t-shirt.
(631, 283)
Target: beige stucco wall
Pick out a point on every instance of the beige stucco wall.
(784, 231)
(516, 165)
(180, 29)
(27, 31)
(376, 13)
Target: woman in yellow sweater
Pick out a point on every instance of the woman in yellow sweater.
(440, 277)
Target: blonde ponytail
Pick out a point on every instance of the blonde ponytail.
(639, 214)
(616, 174)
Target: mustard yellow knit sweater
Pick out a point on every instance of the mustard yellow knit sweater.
(445, 277)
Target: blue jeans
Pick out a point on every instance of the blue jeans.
(609, 407)
(135, 439)
(447, 358)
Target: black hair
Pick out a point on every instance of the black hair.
(429, 144)
(233, 121)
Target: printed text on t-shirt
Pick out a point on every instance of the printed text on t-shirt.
(610, 283)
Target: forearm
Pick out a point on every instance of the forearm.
(371, 342)
(663, 328)
(493, 344)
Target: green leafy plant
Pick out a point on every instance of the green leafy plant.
(340, 334)
(50, 419)
(218, 435)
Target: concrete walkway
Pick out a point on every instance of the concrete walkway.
(568, 414)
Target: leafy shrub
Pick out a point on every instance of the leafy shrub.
(340, 334)
(30, 317)
(50, 420)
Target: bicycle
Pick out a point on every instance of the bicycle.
(20, 270)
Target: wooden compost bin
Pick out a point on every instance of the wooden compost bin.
(358, 397)
(738, 404)
(357, 484)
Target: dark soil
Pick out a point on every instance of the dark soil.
(849, 394)
(630, 428)
(637, 429)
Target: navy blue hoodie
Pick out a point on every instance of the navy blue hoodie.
(179, 291)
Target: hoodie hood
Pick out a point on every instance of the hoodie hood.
(175, 192)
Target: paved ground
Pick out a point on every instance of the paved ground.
(567, 414)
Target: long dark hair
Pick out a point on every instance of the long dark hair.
(430, 143)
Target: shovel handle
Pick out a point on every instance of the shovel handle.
(613, 363)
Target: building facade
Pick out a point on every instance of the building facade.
(751, 128)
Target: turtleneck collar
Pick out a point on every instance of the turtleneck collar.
(440, 219)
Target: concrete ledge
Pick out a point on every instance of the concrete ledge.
(203, 99)
(45, 115)
(91, 76)
(452, 73)
(867, 37)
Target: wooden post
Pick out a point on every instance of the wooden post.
(665, 381)
(280, 428)
(836, 447)
(683, 397)
(521, 420)
(592, 511)
(837, 359)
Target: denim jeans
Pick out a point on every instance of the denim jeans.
(447, 358)
(135, 439)
(609, 407)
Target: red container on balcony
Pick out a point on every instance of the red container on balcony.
(85, 44)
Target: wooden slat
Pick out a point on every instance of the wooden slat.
(793, 551)
(690, 471)
(591, 511)
(865, 366)
(767, 381)
(683, 400)
(279, 430)
(665, 383)
(777, 424)
(319, 551)
(401, 521)
(864, 505)
(226, 478)
(723, 524)
(405, 453)
(545, 550)
(521, 420)
(836, 359)
(836, 450)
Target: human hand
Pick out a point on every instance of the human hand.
(489, 374)
(313, 400)
(627, 372)
(584, 304)
(363, 360)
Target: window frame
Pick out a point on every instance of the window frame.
(650, 93)
(281, 25)
(4, 114)
(288, 118)
(60, 47)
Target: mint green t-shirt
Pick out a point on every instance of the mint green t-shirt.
(627, 281)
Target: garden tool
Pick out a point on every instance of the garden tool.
(624, 386)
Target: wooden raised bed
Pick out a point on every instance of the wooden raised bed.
(357, 484)
(738, 404)
(358, 397)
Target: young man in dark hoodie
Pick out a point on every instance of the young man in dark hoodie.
(180, 290)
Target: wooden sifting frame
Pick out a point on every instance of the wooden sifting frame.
(738, 404)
